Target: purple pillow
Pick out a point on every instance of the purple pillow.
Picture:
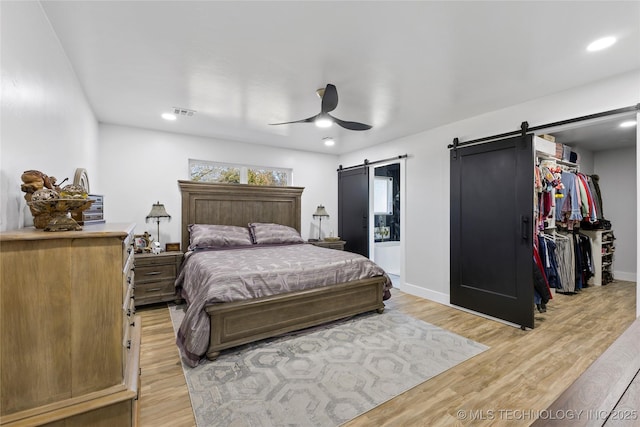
(208, 236)
(269, 234)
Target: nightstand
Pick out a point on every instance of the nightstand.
(155, 277)
(338, 244)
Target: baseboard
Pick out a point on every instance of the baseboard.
(444, 299)
(421, 292)
(623, 275)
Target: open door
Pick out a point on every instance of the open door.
(353, 209)
(492, 228)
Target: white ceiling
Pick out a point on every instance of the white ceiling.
(403, 67)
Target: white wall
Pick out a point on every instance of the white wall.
(46, 122)
(617, 171)
(427, 172)
(139, 167)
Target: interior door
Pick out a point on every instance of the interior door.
(491, 229)
(353, 209)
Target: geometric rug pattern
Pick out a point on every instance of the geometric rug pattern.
(322, 376)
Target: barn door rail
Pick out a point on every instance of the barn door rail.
(368, 163)
(524, 126)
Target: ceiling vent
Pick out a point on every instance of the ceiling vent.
(183, 112)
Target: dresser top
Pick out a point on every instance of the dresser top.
(88, 231)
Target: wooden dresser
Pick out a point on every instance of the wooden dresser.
(70, 338)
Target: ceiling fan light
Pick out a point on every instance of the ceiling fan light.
(328, 141)
(323, 122)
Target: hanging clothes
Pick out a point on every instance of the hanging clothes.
(565, 263)
(540, 285)
(568, 212)
(595, 179)
(585, 267)
(547, 251)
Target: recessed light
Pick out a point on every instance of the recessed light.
(328, 141)
(628, 124)
(602, 43)
(168, 116)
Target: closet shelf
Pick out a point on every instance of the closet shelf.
(546, 156)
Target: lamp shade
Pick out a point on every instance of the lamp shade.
(320, 212)
(158, 211)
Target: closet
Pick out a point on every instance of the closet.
(565, 201)
(493, 227)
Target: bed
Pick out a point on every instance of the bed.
(223, 324)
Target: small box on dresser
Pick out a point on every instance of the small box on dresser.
(156, 276)
(93, 215)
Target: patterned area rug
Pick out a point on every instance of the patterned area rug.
(323, 376)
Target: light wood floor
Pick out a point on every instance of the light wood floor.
(522, 372)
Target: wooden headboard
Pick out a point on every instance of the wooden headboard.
(238, 204)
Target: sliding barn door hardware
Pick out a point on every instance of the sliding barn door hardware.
(454, 154)
(524, 126)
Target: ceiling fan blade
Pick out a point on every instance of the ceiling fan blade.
(307, 120)
(351, 125)
(329, 98)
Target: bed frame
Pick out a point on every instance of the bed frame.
(241, 322)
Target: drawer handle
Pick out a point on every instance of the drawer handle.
(128, 344)
(153, 273)
(153, 289)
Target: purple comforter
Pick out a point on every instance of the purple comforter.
(238, 274)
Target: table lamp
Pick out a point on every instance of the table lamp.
(320, 213)
(158, 212)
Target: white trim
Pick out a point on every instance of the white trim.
(425, 293)
(624, 275)
(637, 215)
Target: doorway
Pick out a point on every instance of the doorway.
(386, 218)
(610, 151)
(371, 213)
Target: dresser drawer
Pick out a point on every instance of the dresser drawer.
(155, 273)
(154, 290)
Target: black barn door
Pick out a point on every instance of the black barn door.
(353, 209)
(491, 229)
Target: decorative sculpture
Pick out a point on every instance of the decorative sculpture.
(51, 205)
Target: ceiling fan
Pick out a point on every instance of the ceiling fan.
(329, 97)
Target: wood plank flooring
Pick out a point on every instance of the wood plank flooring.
(521, 374)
